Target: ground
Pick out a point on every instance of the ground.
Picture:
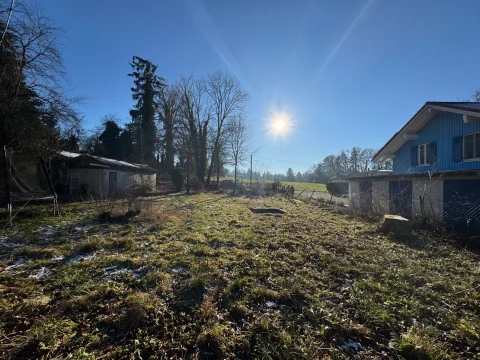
(202, 276)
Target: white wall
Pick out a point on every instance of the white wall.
(380, 197)
(354, 193)
(98, 179)
(91, 177)
(431, 190)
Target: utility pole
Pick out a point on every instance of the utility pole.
(251, 170)
(188, 166)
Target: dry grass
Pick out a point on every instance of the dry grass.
(203, 277)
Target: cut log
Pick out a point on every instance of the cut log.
(267, 211)
(397, 223)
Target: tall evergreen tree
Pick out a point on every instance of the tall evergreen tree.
(147, 85)
(169, 109)
(110, 138)
(126, 144)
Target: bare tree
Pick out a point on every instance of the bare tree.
(238, 143)
(476, 95)
(227, 98)
(169, 112)
(40, 65)
(195, 113)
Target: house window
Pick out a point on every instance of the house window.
(422, 154)
(471, 146)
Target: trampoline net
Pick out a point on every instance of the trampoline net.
(28, 180)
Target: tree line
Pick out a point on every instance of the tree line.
(197, 124)
(332, 167)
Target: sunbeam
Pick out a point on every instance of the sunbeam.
(344, 37)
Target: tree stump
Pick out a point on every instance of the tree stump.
(397, 223)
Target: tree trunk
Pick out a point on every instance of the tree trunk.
(169, 151)
(210, 167)
(215, 153)
(235, 178)
(218, 171)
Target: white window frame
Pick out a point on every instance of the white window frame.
(425, 153)
(74, 176)
(475, 150)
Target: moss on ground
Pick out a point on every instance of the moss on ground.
(203, 277)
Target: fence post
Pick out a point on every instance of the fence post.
(301, 192)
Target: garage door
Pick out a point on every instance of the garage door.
(461, 204)
(400, 198)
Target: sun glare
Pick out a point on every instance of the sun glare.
(279, 124)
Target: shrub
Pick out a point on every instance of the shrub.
(337, 187)
(178, 178)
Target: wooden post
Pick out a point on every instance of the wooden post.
(50, 185)
(301, 192)
(7, 186)
(311, 195)
(251, 170)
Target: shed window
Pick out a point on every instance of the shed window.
(422, 154)
(471, 146)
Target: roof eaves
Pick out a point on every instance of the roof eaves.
(443, 104)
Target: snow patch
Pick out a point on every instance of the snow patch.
(42, 272)
(81, 257)
(178, 269)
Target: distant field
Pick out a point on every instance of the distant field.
(307, 186)
(297, 185)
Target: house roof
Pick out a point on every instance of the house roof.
(426, 112)
(86, 160)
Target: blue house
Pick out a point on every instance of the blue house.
(436, 167)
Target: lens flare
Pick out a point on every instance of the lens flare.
(279, 124)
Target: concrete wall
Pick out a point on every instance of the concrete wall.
(431, 191)
(98, 180)
(93, 178)
(354, 193)
(380, 196)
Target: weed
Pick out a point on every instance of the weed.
(422, 344)
(139, 308)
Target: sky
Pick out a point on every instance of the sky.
(348, 73)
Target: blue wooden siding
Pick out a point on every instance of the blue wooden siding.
(441, 128)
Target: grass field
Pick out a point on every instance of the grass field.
(298, 185)
(306, 186)
(203, 277)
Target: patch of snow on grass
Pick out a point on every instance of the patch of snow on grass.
(42, 272)
(81, 257)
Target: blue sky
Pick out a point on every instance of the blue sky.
(350, 73)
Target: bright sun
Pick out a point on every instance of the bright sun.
(279, 125)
